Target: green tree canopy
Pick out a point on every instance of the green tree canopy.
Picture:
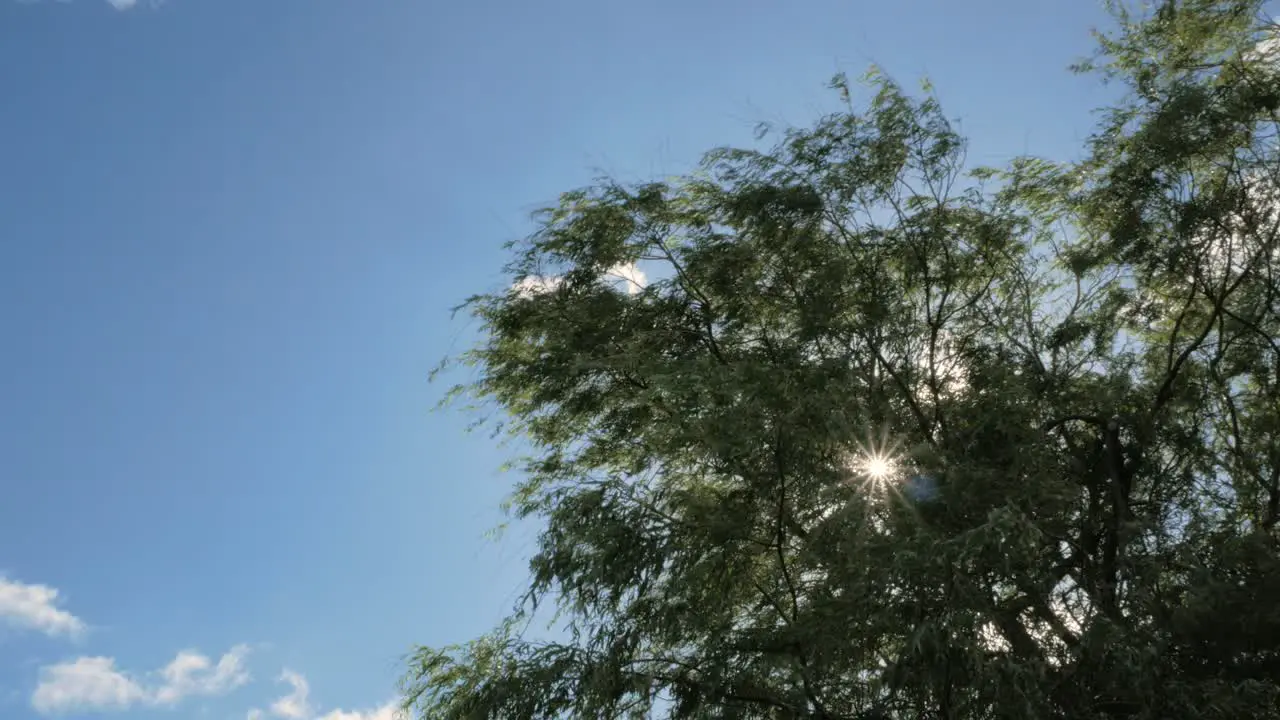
(874, 435)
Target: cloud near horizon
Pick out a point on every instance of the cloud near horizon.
(296, 705)
(95, 683)
(35, 607)
(389, 711)
(117, 4)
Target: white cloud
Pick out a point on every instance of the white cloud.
(390, 711)
(85, 683)
(537, 284)
(121, 5)
(627, 275)
(1267, 49)
(293, 706)
(94, 683)
(297, 705)
(35, 607)
(191, 673)
(632, 276)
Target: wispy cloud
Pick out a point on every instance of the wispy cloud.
(35, 607)
(95, 683)
(296, 705)
(293, 706)
(191, 673)
(390, 711)
(117, 4)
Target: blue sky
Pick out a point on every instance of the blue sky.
(230, 235)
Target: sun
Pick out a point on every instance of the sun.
(877, 467)
(876, 464)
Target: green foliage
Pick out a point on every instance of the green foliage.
(1079, 363)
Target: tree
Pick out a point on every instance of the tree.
(883, 437)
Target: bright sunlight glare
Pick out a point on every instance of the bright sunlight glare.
(876, 464)
(877, 467)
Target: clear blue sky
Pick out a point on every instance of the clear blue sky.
(230, 235)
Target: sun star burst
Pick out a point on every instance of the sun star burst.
(877, 467)
(876, 463)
